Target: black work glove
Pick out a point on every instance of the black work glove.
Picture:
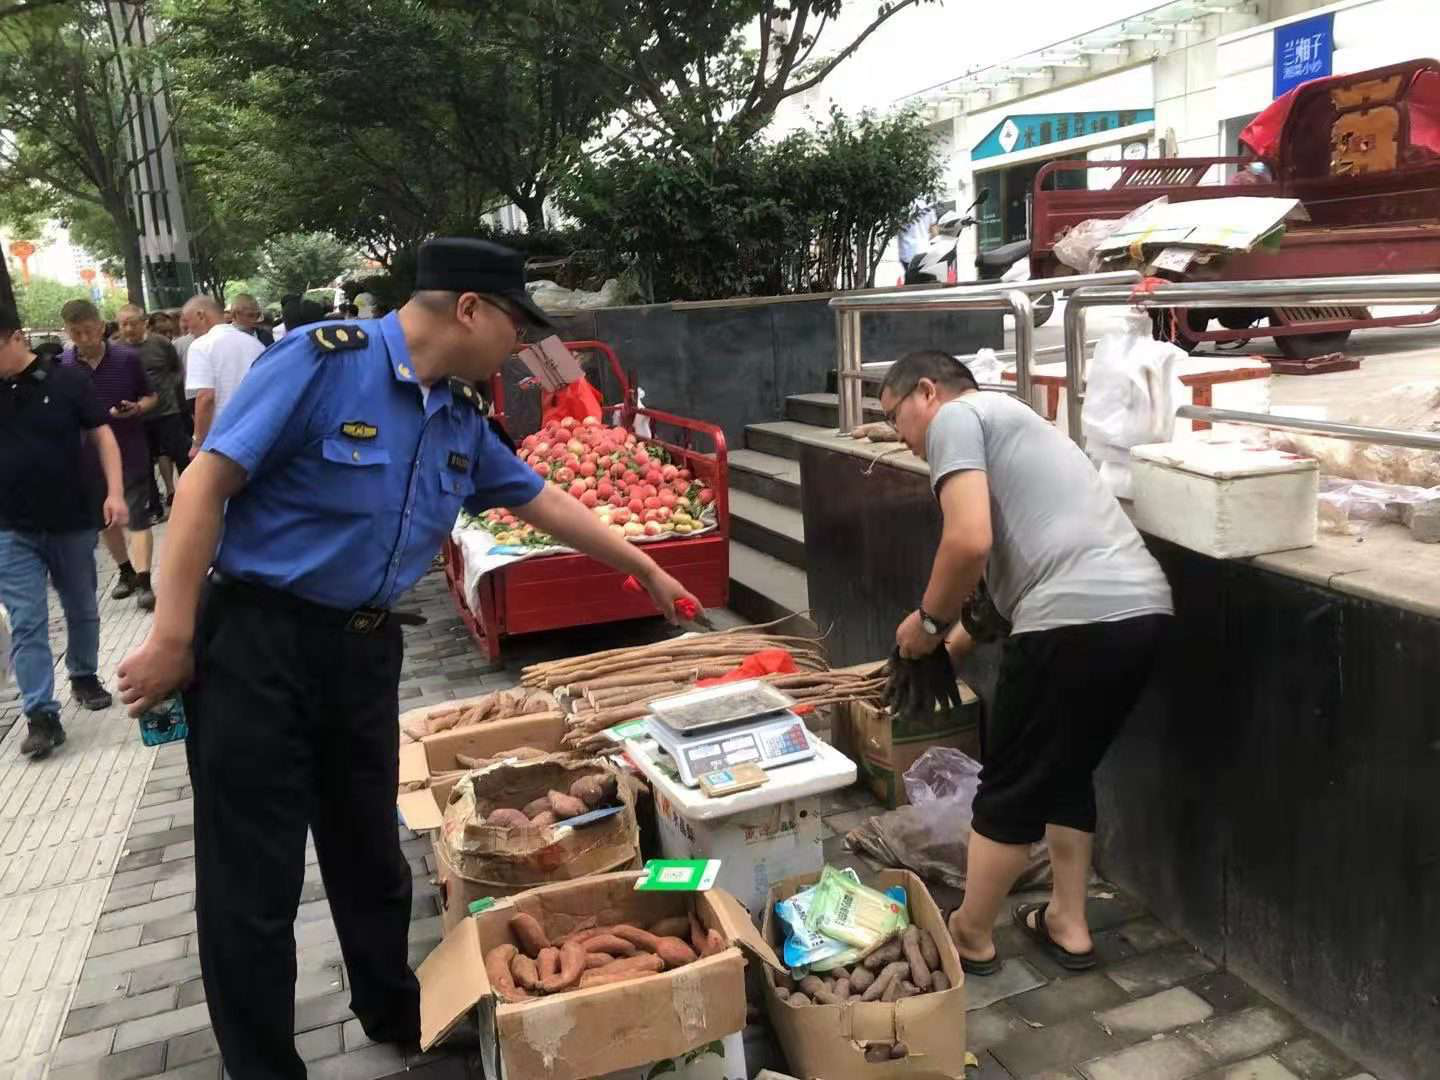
(981, 618)
(916, 687)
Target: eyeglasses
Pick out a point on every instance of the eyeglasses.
(892, 412)
(517, 321)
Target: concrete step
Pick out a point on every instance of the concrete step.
(823, 410)
(764, 589)
(775, 530)
(777, 438)
(766, 475)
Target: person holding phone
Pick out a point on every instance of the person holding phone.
(125, 392)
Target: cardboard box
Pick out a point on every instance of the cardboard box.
(475, 860)
(883, 749)
(433, 759)
(604, 1029)
(829, 1041)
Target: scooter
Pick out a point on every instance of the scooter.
(1009, 262)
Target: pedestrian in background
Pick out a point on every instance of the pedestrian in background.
(245, 314)
(48, 524)
(334, 477)
(165, 430)
(218, 360)
(125, 391)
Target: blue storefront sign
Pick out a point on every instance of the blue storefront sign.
(1304, 50)
(1039, 129)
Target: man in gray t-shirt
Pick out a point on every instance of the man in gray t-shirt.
(1026, 511)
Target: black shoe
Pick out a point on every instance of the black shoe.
(45, 735)
(125, 586)
(86, 689)
(145, 598)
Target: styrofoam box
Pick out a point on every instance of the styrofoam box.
(756, 848)
(1226, 499)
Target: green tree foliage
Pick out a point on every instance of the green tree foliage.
(65, 115)
(812, 212)
(40, 301)
(299, 262)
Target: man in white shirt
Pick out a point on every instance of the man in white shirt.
(216, 362)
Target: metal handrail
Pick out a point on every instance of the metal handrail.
(1010, 297)
(1286, 292)
(1417, 440)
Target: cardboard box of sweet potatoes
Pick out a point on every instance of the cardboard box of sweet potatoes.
(609, 995)
(919, 1036)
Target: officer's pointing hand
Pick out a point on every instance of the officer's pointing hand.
(152, 672)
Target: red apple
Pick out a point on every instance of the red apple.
(652, 502)
(636, 506)
(605, 489)
(577, 489)
(542, 468)
(589, 498)
(620, 517)
(706, 496)
(587, 468)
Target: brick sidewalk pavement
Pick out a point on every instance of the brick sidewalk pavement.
(1155, 1009)
(63, 823)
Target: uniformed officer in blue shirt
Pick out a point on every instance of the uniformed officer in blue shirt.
(336, 471)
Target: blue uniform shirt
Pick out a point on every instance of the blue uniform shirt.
(354, 482)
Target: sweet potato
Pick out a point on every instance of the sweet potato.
(641, 939)
(674, 952)
(797, 998)
(919, 970)
(566, 806)
(939, 981)
(607, 975)
(883, 956)
(525, 973)
(781, 993)
(860, 979)
(900, 988)
(594, 791)
(929, 950)
(544, 818)
(529, 933)
(714, 942)
(642, 961)
(876, 1053)
(507, 819)
(595, 960)
(842, 988)
(548, 963)
(536, 806)
(675, 926)
(898, 1051)
(815, 989)
(584, 931)
(889, 974)
(497, 968)
(572, 966)
(616, 946)
(697, 935)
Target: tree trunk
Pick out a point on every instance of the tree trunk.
(7, 291)
(533, 207)
(130, 249)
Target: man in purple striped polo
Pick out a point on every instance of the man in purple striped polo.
(126, 394)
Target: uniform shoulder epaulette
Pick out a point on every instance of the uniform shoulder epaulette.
(461, 390)
(332, 337)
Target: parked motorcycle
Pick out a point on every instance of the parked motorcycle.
(938, 263)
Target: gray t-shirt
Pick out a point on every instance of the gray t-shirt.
(1063, 551)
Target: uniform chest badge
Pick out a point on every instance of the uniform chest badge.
(458, 462)
(359, 429)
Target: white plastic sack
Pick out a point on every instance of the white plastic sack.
(986, 367)
(1130, 398)
(1077, 249)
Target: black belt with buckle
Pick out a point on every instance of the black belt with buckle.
(362, 620)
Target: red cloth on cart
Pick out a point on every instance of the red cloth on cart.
(579, 401)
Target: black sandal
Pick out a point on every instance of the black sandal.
(1040, 933)
(975, 967)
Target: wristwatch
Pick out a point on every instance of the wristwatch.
(933, 626)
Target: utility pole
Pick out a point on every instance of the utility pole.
(156, 192)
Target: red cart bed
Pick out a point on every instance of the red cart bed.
(552, 592)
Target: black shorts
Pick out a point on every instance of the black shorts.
(137, 501)
(168, 437)
(1062, 697)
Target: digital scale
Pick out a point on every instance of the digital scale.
(720, 727)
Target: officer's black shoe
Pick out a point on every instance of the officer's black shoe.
(45, 735)
(86, 689)
(124, 586)
(145, 598)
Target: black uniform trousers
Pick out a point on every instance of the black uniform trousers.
(294, 724)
